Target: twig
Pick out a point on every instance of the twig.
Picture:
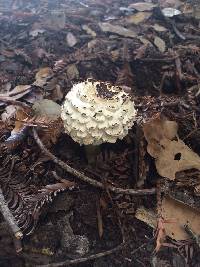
(80, 260)
(9, 217)
(87, 179)
(154, 60)
(177, 32)
(142, 246)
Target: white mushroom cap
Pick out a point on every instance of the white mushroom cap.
(97, 112)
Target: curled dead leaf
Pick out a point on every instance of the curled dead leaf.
(42, 75)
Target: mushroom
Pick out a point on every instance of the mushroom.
(96, 112)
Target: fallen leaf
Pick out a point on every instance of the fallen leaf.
(107, 27)
(158, 28)
(146, 215)
(138, 17)
(9, 113)
(181, 214)
(170, 3)
(57, 94)
(18, 92)
(170, 12)
(72, 72)
(176, 215)
(170, 153)
(142, 6)
(48, 112)
(160, 44)
(42, 75)
(36, 32)
(89, 30)
(71, 39)
(144, 41)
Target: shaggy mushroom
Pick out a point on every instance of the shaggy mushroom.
(96, 112)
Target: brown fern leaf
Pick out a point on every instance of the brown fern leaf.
(24, 199)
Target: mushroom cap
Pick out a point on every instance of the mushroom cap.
(96, 112)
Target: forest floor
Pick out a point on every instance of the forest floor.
(138, 203)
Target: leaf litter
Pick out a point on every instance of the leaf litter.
(151, 50)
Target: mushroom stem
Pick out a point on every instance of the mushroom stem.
(91, 153)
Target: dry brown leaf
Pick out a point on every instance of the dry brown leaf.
(9, 113)
(181, 214)
(138, 17)
(107, 27)
(158, 28)
(50, 111)
(160, 44)
(42, 75)
(18, 92)
(142, 6)
(175, 215)
(72, 72)
(89, 30)
(171, 154)
(170, 3)
(71, 39)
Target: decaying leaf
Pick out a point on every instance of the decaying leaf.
(49, 113)
(170, 12)
(160, 44)
(158, 28)
(89, 30)
(170, 3)
(181, 214)
(138, 17)
(142, 6)
(170, 153)
(71, 39)
(18, 92)
(176, 215)
(45, 113)
(107, 27)
(24, 199)
(72, 72)
(42, 75)
(9, 113)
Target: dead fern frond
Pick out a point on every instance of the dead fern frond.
(24, 199)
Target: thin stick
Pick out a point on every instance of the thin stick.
(80, 260)
(87, 179)
(9, 218)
